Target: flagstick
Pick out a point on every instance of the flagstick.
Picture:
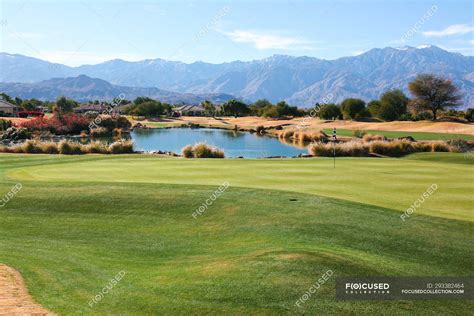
(334, 149)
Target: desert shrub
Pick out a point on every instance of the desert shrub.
(96, 148)
(359, 133)
(406, 117)
(117, 132)
(260, 129)
(458, 145)
(422, 116)
(422, 147)
(123, 123)
(349, 149)
(121, 147)
(58, 124)
(396, 148)
(99, 132)
(202, 150)
(66, 148)
(30, 147)
(440, 147)
(188, 151)
(371, 137)
(14, 133)
(49, 148)
(5, 124)
(302, 136)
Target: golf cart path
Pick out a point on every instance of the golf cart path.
(14, 297)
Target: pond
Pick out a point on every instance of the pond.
(233, 143)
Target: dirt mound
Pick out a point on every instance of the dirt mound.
(14, 297)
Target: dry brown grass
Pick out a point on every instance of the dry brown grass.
(202, 150)
(396, 148)
(66, 147)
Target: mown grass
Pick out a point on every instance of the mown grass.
(80, 220)
(385, 182)
(396, 134)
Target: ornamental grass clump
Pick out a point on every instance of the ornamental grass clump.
(349, 149)
(121, 147)
(371, 137)
(202, 150)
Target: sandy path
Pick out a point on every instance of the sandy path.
(14, 297)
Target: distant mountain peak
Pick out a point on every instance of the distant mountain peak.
(302, 81)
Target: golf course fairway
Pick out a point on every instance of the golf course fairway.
(78, 221)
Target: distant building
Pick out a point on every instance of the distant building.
(190, 110)
(7, 109)
(101, 108)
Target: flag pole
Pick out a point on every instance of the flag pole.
(334, 138)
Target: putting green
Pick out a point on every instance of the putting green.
(390, 183)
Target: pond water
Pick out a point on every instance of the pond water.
(233, 143)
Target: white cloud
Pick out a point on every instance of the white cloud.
(268, 41)
(457, 29)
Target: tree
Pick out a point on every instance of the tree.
(235, 108)
(64, 105)
(329, 112)
(209, 107)
(31, 104)
(353, 109)
(260, 106)
(6, 97)
(433, 93)
(393, 104)
(374, 107)
(469, 114)
(284, 109)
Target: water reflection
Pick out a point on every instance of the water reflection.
(234, 143)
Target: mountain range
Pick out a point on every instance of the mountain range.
(301, 81)
(83, 88)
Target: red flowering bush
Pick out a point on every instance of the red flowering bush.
(58, 124)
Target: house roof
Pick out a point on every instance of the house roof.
(5, 104)
(186, 108)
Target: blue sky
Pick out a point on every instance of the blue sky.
(89, 32)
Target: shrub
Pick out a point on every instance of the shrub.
(49, 148)
(423, 116)
(459, 145)
(5, 124)
(359, 133)
(260, 129)
(121, 147)
(422, 147)
(30, 147)
(349, 149)
(202, 150)
(99, 132)
(371, 137)
(96, 148)
(396, 148)
(440, 147)
(188, 151)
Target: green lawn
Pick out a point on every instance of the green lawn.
(280, 225)
(395, 134)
